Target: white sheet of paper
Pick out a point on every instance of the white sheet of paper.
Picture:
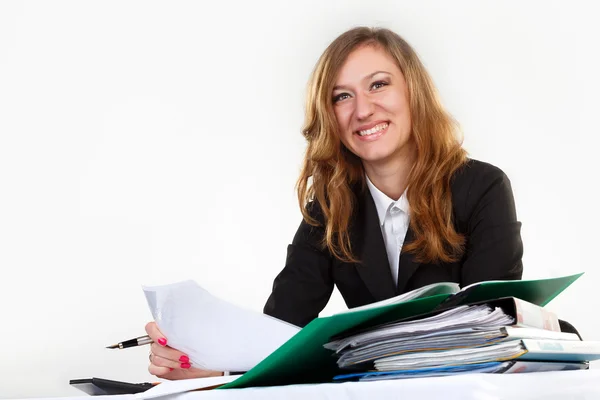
(215, 334)
(184, 385)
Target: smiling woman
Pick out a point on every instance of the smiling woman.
(393, 202)
(371, 92)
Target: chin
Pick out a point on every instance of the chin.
(375, 156)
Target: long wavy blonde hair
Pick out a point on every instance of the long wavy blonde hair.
(335, 172)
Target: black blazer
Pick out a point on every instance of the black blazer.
(483, 210)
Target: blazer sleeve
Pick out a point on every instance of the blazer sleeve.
(494, 248)
(304, 286)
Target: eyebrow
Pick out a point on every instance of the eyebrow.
(371, 75)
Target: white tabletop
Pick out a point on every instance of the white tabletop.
(537, 385)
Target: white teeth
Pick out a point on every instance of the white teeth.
(374, 129)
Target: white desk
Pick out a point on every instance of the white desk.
(540, 385)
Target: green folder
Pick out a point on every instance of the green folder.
(303, 359)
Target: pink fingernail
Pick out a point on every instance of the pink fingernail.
(185, 365)
(162, 341)
(184, 359)
(171, 369)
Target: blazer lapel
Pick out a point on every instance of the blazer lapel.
(408, 265)
(374, 268)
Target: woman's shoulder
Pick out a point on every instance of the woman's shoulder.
(477, 183)
(475, 174)
(308, 232)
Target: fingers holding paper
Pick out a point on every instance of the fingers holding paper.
(155, 333)
(168, 369)
(168, 363)
(162, 355)
(168, 357)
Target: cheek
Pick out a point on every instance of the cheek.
(342, 116)
(395, 103)
(398, 106)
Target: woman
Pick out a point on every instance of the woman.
(394, 203)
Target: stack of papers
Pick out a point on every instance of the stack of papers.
(481, 316)
(442, 340)
(466, 339)
(470, 355)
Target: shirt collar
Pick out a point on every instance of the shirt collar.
(383, 203)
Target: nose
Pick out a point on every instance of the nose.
(364, 107)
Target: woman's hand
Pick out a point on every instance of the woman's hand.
(168, 363)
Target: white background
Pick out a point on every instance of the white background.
(150, 142)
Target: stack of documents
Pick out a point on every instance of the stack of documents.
(465, 339)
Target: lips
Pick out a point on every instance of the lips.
(372, 130)
(373, 133)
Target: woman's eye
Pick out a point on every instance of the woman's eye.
(379, 84)
(340, 96)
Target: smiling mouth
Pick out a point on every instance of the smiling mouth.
(373, 130)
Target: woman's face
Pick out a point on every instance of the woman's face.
(370, 100)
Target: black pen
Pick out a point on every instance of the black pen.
(138, 341)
